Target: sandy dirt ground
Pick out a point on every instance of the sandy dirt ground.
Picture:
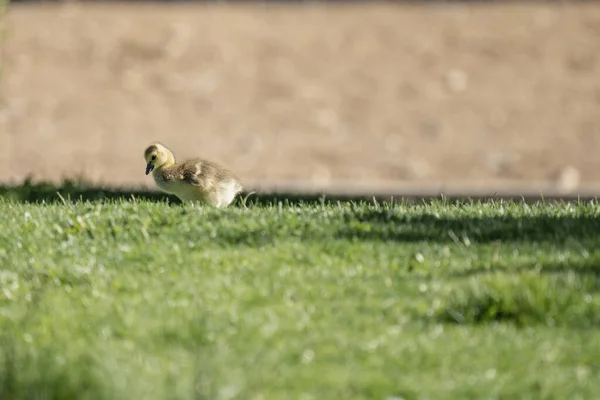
(385, 94)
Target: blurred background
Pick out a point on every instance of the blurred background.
(363, 96)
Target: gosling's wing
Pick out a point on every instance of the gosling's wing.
(206, 174)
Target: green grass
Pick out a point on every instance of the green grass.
(148, 300)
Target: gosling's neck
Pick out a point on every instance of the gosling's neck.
(162, 173)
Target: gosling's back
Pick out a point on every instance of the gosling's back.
(199, 180)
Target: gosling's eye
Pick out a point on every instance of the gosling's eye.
(153, 158)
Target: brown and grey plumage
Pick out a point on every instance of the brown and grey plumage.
(194, 180)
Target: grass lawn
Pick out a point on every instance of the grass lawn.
(149, 300)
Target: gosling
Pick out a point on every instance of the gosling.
(200, 181)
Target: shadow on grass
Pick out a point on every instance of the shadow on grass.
(552, 293)
(394, 226)
(584, 267)
(73, 191)
(29, 192)
(578, 233)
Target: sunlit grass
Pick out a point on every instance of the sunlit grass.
(139, 299)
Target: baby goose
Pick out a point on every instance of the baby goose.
(195, 180)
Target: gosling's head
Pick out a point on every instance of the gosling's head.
(157, 156)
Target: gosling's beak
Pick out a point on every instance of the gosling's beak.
(149, 168)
